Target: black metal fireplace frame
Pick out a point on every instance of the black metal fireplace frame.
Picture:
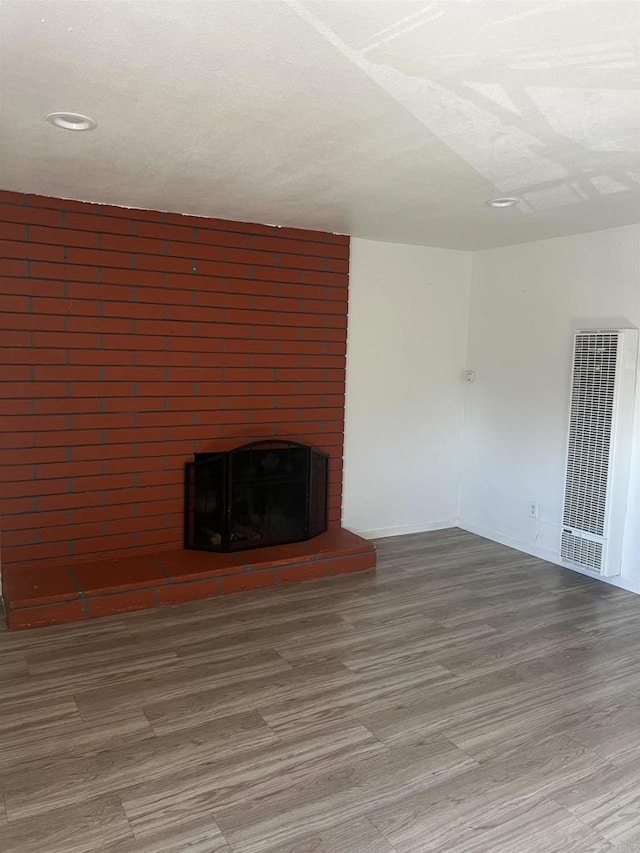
(315, 516)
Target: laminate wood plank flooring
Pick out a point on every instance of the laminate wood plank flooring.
(464, 698)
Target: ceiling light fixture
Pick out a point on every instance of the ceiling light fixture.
(71, 121)
(502, 202)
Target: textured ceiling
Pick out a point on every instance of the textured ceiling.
(389, 120)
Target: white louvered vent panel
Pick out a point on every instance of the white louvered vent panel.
(583, 552)
(599, 449)
(592, 402)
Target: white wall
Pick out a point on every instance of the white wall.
(526, 301)
(406, 348)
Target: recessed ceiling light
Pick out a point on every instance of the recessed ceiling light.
(71, 121)
(502, 202)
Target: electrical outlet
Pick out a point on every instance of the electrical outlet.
(533, 509)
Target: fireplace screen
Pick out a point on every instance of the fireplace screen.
(263, 493)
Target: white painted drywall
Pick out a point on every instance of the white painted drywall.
(406, 349)
(525, 302)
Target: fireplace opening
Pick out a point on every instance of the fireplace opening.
(263, 493)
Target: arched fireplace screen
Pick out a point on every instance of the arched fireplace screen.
(263, 493)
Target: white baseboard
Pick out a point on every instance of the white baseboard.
(404, 529)
(542, 553)
(495, 536)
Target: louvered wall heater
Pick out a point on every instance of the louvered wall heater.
(599, 449)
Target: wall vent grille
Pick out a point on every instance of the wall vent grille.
(590, 422)
(583, 552)
(598, 449)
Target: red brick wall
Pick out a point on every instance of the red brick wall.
(131, 339)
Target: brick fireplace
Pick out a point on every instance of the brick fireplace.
(132, 340)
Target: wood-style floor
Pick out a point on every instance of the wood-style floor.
(465, 697)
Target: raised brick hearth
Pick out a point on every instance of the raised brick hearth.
(49, 596)
(132, 339)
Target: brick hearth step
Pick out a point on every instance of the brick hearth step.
(50, 595)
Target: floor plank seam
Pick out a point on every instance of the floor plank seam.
(584, 823)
